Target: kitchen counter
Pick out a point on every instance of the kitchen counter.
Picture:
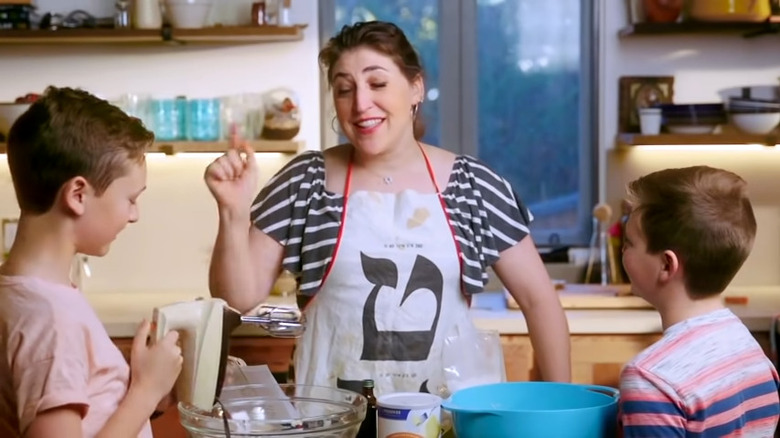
(121, 312)
(489, 312)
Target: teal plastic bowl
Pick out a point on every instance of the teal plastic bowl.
(534, 409)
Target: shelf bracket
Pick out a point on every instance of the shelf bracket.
(166, 33)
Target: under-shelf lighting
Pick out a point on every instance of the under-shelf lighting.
(706, 147)
(209, 155)
(182, 155)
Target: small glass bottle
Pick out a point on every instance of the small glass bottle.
(284, 13)
(368, 427)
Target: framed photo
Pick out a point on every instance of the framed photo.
(640, 92)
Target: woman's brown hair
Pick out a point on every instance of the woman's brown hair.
(385, 38)
(704, 216)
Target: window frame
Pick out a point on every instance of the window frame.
(459, 97)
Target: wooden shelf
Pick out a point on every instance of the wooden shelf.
(260, 146)
(166, 35)
(748, 29)
(628, 140)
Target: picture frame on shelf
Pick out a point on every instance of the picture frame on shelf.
(636, 92)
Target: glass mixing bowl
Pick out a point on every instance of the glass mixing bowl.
(282, 411)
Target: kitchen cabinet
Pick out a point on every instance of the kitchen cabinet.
(596, 359)
(276, 353)
(167, 35)
(519, 358)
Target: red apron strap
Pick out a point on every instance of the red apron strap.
(449, 222)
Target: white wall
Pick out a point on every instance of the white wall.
(702, 65)
(169, 248)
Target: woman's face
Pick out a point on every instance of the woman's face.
(374, 100)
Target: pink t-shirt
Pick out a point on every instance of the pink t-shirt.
(58, 353)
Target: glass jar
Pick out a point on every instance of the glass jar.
(282, 120)
(265, 411)
(203, 119)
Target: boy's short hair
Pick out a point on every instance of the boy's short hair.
(701, 213)
(67, 133)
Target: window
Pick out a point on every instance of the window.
(511, 82)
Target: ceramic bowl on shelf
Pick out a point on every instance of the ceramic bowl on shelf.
(729, 10)
(755, 123)
(741, 105)
(188, 14)
(755, 92)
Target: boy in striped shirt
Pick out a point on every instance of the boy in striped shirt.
(688, 234)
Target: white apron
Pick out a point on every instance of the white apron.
(389, 298)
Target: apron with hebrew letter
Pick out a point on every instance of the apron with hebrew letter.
(390, 296)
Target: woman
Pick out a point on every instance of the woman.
(390, 236)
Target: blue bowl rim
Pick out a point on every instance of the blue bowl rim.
(448, 403)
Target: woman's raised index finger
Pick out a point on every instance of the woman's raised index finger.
(236, 141)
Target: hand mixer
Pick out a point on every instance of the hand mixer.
(204, 327)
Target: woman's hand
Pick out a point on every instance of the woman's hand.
(154, 368)
(232, 178)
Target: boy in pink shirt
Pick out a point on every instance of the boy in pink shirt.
(688, 234)
(77, 165)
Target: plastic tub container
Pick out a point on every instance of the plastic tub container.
(538, 409)
(413, 414)
(261, 411)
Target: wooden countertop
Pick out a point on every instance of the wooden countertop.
(122, 311)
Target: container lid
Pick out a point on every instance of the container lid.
(409, 400)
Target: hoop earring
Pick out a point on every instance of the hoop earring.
(415, 108)
(335, 129)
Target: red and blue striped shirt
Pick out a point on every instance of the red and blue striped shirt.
(707, 377)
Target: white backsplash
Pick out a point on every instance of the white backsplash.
(168, 249)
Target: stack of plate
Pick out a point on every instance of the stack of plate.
(692, 118)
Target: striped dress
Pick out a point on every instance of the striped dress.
(295, 209)
(707, 377)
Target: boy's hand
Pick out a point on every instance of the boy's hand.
(232, 178)
(154, 368)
